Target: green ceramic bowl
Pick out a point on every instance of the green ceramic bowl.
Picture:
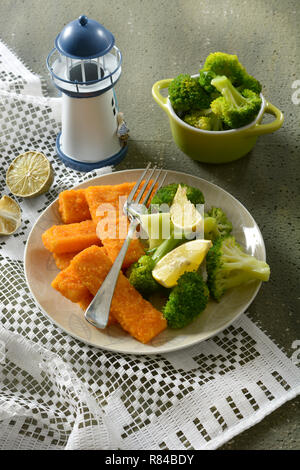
(216, 146)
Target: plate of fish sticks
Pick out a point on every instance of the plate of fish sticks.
(75, 241)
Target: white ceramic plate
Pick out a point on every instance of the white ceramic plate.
(40, 270)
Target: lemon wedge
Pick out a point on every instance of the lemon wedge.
(10, 215)
(186, 257)
(157, 227)
(184, 215)
(30, 174)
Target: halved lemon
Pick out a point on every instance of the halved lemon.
(157, 226)
(10, 215)
(183, 213)
(29, 175)
(186, 257)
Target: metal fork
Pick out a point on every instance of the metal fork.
(98, 311)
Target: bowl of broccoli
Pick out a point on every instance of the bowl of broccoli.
(215, 116)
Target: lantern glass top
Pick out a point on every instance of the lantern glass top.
(84, 38)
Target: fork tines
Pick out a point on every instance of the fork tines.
(147, 175)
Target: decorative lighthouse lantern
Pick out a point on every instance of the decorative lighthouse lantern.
(85, 65)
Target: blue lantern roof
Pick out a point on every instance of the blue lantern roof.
(84, 39)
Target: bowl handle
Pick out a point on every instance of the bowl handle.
(159, 98)
(260, 129)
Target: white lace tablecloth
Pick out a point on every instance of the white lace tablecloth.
(58, 393)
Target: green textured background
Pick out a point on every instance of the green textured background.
(160, 39)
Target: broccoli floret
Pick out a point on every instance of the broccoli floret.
(234, 108)
(166, 194)
(185, 94)
(187, 300)
(194, 195)
(203, 123)
(220, 63)
(229, 266)
(140, 273)
(250, 83)
(205, 78)
(216, 224)
(210, 122)
(194, 117)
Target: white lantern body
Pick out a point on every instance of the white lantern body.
(89, 128)
(85, 72)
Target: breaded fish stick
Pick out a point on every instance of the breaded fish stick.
(70, 237)
(69, 285)
(62, 260)
(73, 206)
(108, 196)
(136, 315)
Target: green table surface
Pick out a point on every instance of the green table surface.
(160, 39)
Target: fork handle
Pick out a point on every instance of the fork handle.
(98, 311)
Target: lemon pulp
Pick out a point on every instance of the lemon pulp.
(186, 257)
(10, 215)
(183, 213)
(29, 175)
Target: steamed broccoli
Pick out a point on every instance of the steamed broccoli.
(216, 224)
(166, 194)
(208, 103)
(229, 266)
(196, 119)
(140, 273)
(185, 94)
(205, 78)
(208, 122)
(220, 63)
(234, 108)
(187, 300)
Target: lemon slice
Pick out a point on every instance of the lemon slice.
(186, 257)
(29, 175)
(184, 214)
(157, 227)
(10, 215)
